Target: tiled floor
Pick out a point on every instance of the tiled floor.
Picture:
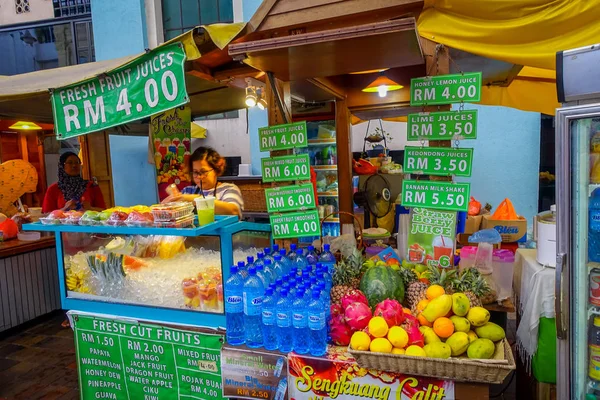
(38, 363)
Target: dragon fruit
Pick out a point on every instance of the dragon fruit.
(411, 326)
(391, 311)
(357, 316)
(335, 310)
(340, 332)
(353, 296)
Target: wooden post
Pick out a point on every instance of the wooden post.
(344, 159)
(437, 62)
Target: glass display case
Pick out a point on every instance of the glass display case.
(167, 274)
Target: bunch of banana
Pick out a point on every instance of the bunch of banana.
(76, 281)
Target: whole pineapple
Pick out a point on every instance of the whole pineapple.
(415, 289)
(442, 277)
(346, 276)
(473, 285)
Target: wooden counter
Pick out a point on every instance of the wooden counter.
(28, 280)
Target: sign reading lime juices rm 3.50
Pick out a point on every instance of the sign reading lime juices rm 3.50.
(282, 137)
(445, 89)
(121, 359)
(436, 195)
(444, 125)
(150, 84)
(286, 168)
(290, 198)
(292, 225)
(438, 161)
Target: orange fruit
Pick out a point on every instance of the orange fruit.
(434, 291)
(423, 321)
(443, 327)
(421, 305)
(407, 311)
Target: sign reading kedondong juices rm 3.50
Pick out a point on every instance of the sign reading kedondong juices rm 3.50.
(150, 84)
(445, 89)
(120, 359)
(438, 161)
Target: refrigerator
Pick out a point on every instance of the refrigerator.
(577, 279)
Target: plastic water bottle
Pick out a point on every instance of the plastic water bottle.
(292, 254)
(317, 325)
(268, 255)
(234, 307)
(327, 258)
(311, 256)
(594, 228)
(278, 267)
(281, 390)
(275, 249)
(269, 272)
(300, 323)
(253, 295)
(241, 266)
(260, 272)
(260, 259)
(326, 300)
(292, 289)
(269, 320)
(285, 262)
(326, 277)
(250, 262)
(299, 262)
(284, 323)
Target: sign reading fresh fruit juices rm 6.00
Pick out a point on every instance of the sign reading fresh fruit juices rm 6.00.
(150, 84)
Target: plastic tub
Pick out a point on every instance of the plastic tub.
(503, 262)
(171, 211)
(184, 222)
(467, 257)
(28, 236)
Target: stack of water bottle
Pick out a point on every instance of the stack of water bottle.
(280, 301)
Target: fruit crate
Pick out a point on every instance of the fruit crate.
(460, 369)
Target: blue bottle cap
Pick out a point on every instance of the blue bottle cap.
(283, 292)
(275, 248)
(260, 267)
(250, 260)
(316, 294)
(267, 250)
(241, 265)
(279, 282)
(326, 246)
(311, 248)
(267, 262)
(269, 291)
(252, 271)
(277, 257)
(299, 252)
(293, 247)
(286, 286)
(300, 293)
(233, 269)
(260, 255)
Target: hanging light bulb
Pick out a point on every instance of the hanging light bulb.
(262, 103)
(382, 85)
(250, 96)
(382, 90)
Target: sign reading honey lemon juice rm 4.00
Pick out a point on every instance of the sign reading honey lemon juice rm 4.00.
(445, 89)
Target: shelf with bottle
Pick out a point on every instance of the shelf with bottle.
(324, 167)
(321, 142)
(333, 193)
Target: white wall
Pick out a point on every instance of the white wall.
(227, 136)
(38, 10)
(396, 129)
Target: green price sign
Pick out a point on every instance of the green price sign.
(282, 137)
(437, 195)
(445, 89)
(438, 161)
(124, 359)
(444, 125)
(148, 85)
(286, 168)
(290, 198)
(294, 225)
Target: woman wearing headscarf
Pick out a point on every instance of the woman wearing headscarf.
(72, 192)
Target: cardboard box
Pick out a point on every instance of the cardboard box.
(473, 224)
(511, 230)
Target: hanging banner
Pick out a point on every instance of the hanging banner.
(286, 168)
(171, 138)
(438, 195)
(150, 84)
(125, 359)
(295, 225)
(442, 161)
(443, 125)
(446, 89)
(251, 374)
(431, 237)
(339, 377)
(290, 198)
(283, 137)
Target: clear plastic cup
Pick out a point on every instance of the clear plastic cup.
(205, 207)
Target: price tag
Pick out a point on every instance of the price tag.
(295, 225)
(286, 168)
(438, 161)
(437, 195)
(444, 125)
(445, 89)
(282, 137)
(290, 198)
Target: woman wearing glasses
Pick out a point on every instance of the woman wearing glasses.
(206, 165)
(72, 192)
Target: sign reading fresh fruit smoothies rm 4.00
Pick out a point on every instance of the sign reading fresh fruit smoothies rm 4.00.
(283, 137)
(438, 161)
(437, 195)
(445, 89)
(294, 225)
(148, 85)
(290, 198)
(443, 125)
(286, 168)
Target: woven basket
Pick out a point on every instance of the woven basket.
(456, 369)
(254, 196)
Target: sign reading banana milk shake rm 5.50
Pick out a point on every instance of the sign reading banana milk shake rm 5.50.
(148, 85)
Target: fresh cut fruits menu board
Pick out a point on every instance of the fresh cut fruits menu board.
(125, 359)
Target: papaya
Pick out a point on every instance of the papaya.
(458, 342)
(460, 304)
(438, 307)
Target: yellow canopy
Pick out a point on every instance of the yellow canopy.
(27, 95)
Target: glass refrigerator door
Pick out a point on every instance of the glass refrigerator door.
(578, 263)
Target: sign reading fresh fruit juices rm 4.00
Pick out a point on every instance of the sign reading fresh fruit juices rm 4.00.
(283, 137)
(150, 84)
